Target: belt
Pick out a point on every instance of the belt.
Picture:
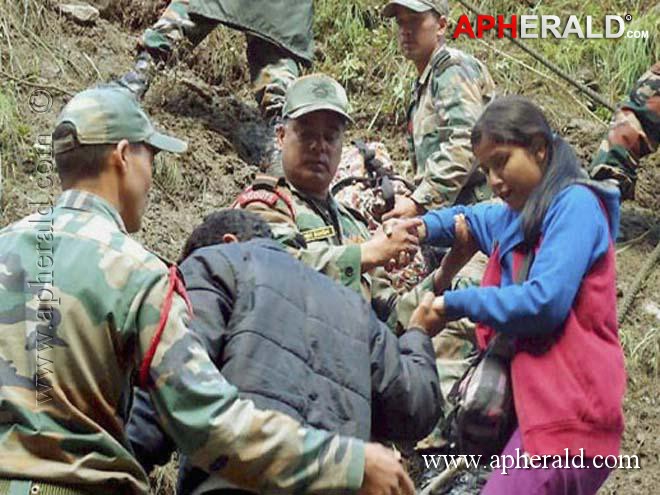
(29, 487)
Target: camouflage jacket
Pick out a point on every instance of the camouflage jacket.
(447, 100)
(80, 305)
(634, 133)
(326, 235)
(287, 23)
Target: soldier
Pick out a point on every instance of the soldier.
(278, 32)
(304, 216)
(634, 133)
(86, 311)
(447, 99)
(280, 332)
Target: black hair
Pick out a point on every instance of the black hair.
(515, 120)
(245, 225)
(85, 161)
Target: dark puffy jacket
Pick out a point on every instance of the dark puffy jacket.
(295, 341)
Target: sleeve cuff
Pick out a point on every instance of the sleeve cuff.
(355, 471)
(350, 266)
(455, 303)
(439, 227)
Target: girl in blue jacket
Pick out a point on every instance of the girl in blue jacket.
(567, 373)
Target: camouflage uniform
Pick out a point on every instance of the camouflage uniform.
(326, 236)
(368, 202)
(634, 133)
(274, 47)
(447, 100)
(74, 332)
(83, 307)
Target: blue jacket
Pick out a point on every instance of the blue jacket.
(575, 234)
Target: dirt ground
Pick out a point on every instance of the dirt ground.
(224, 137)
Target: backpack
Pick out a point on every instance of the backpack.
(482, 417)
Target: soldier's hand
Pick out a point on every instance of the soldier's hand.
(429, 315)
(390, 244)
(404, 207)
(384, 473)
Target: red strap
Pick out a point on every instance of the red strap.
(492, 277)
(175, 285)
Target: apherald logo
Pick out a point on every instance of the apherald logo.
(544, 26)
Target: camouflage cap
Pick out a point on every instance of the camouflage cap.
(315, 92)
(106, 115)
(440, 6)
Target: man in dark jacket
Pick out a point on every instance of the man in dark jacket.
(295, 341)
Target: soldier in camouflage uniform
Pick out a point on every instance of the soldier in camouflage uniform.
(85, 311)
(634, 133)
(279, 38)
(321, 232)
(447, 99)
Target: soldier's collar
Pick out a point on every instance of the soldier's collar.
(439, 53)
(76, 199)
(328, 201)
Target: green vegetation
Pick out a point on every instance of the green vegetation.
(359, 48)
(14, 133)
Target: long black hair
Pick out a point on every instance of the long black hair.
(515, 120)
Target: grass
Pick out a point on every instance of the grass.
(359, 48)
(14, 135)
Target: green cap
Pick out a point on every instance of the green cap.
(440, 6)
(315, 92)
(108, 114)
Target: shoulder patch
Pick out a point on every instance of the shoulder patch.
(262, 193)
(259, 196)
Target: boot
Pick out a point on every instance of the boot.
(139, 79)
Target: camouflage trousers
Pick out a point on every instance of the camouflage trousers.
(455, 343)
(272, 69)
(634, 133)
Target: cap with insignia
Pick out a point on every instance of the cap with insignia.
(107, 115)
(440, 6)
(313, 93)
